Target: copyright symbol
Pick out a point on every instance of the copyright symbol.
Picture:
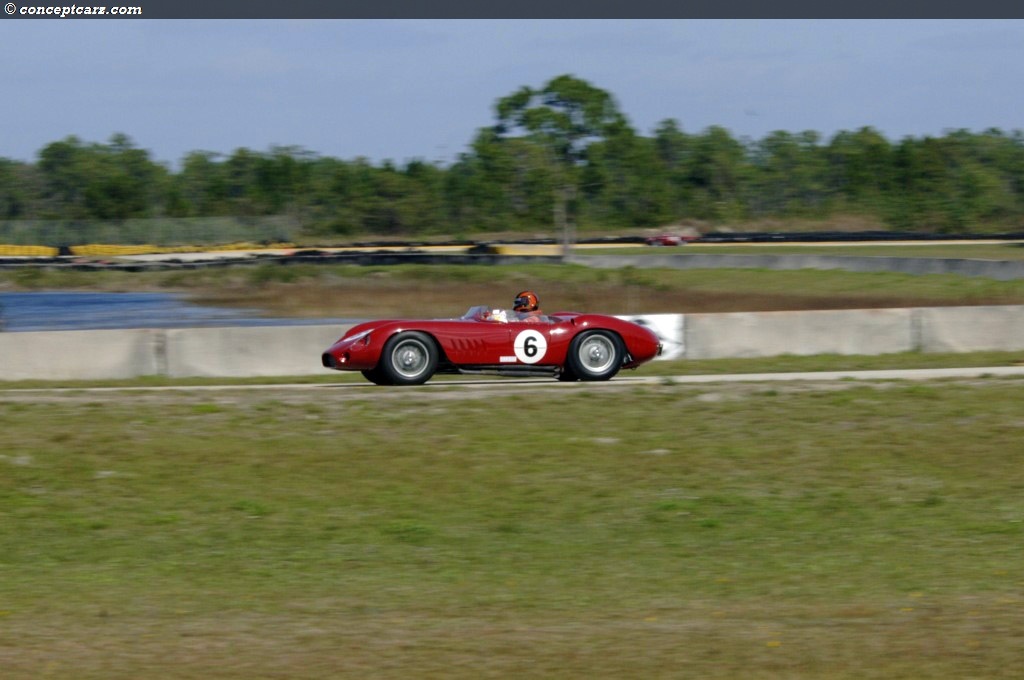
(10, 8)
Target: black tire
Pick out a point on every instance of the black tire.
(566, 374)
(408, 358)
(595, 355)
(376, 376)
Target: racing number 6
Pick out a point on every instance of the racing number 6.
(530, 346)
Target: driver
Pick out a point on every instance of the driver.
(527, 307)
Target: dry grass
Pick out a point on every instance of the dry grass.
(439, 291)
(901, 638)
(362, 299)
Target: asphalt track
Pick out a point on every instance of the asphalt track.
(471, 385)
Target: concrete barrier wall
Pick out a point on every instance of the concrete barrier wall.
(245, 352)
(79, 355)
(762, 334)
(970, 329)
(295, 350)
(184, 352)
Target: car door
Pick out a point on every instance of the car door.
(473, 343)
(538, 343)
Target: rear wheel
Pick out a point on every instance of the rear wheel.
(408, 359)
(595, 355)
(566, 374)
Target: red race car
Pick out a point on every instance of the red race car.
(566, 345)
(669, 240)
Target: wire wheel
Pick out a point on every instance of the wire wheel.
(409, 358)
(595, 355)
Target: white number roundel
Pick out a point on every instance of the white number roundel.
(530, 346)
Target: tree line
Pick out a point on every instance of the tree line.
(560, 153)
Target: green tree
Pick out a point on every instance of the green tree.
(15, 190)
(790, 175)
(924, 184)
(718, 170)
(624, 183)
(202, 185)
(424, 202)
(329, 204)
(63, 174)
(674, 154)
(862, 169)
(987, 177)
(563, 117)
(121, 180)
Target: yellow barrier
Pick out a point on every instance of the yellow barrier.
(117, 250)
(27, 251)
(114, 250)
(520, 249)
(106, 249)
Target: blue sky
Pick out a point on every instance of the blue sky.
(405, 89)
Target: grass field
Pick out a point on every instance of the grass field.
(808, 531)
(839, 530)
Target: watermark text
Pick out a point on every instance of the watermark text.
(66, 11)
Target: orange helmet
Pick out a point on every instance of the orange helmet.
(526, 302)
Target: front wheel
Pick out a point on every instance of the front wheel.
(595, 355)
(376, 376)
(409, 359)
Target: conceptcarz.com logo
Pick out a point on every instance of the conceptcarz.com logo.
(71, 11)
